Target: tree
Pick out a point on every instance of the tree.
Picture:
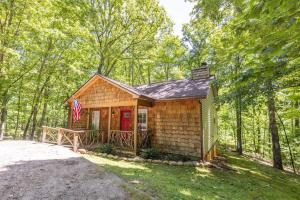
(264, 35)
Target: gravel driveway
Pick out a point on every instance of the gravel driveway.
(30, 170)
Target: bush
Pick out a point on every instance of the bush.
(150, 153)
(105, 148)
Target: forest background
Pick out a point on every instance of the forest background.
(49, 48)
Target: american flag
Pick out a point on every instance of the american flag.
(76, 111)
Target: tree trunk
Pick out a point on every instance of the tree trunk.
(19, 108)
(149, 75)
(277, 160)
(253, 130)
(258, 134)
(297, 122)
(239, 147)
(27, 125)
(34, 116)
(256, 117)
(238, 110)
(3, 116)
(43, 117)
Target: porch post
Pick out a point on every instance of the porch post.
(88, 118)
(44, 133)
(109, 122)
(59, 136)
(135, 128)
(70, 115)
(75, 142)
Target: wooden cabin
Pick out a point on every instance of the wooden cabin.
(177, 116)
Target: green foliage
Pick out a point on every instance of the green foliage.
(105, 148)
(251, 48)
(49, 48)
(150, 153)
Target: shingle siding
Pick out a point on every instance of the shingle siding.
(176, 127)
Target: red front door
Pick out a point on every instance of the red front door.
(125, 120)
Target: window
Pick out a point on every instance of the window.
(126, 114)
(142, 119)
(95, 119)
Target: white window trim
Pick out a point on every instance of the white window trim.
(142, 111)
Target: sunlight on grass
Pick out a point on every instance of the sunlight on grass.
(260, 174)
(116, 163)
(203, 172)
(251, 181)
(186, 192)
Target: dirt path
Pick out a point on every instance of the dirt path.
(30, 170)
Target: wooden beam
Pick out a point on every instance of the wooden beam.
(135, 128)
(143, 102)
(59, 137)
(75, 142)
(88, 118)
(69, 116)
(109, 124)
(110, 104)
(70, 125)
(45, 129)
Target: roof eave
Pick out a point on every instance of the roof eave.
(182, 98)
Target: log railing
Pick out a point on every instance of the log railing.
(125, 139)
(122, 139)
(73, 138)
(50, 135)
(87, 138)
(144, 138)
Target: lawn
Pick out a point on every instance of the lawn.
(251, 180)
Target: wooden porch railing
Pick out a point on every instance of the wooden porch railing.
(91, 137)
(72, 138)
(125, 139)
(144, 138)
(87, 138)
(122, 139)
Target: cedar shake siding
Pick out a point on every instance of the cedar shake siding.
(175, 127)
(102, 92)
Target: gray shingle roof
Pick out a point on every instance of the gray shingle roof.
(176, 89)
(185, 88)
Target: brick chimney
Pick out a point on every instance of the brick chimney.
(200, 72)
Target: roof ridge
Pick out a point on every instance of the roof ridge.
(161, 82)
(154, 83)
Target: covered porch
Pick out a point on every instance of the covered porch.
(111, 112)
(123, 125)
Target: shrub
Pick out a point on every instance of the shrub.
(150, 153)
(105, 148)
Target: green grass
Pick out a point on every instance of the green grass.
(251, 180)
